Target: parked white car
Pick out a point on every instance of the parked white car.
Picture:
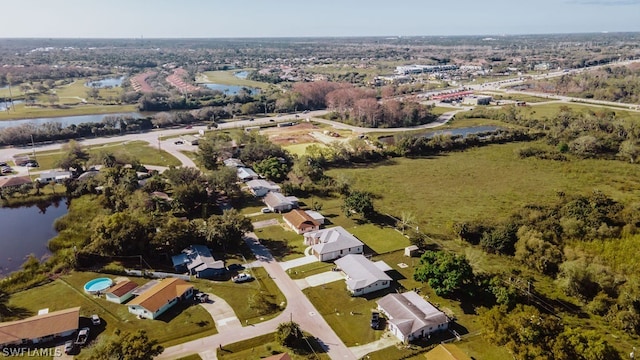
(242, 277)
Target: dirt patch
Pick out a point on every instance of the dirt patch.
(290, 135)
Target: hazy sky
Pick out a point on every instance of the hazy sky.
(277, 18)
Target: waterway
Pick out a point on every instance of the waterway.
(66, 120)
(229, 89)
(27, 230)
(108, 82)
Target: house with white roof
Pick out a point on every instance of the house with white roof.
(246, 174)
(332, 243)
(57, 176)
(197, 260)
(277, 202)
(411, 317)
(261, 187)
(363, 276)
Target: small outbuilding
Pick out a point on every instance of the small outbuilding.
(411, 250)
(121, 291)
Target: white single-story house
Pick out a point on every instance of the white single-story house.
(160, 297)
(410, 317)
(40, 328)
(362, 275)
(261, 187)
(332, 243)
(246, 174)
(197, 260)
(300, 222)
(316, 216)
(411, 250)
(57, 176)
(121, 291)
(277, 202)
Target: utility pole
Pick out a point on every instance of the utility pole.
(33, 146)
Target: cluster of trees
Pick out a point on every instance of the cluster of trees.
(529, 334)
(54, 131)
(586, 134)
(618, 83)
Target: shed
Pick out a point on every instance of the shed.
(411, 250)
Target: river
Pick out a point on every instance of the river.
(26, 230)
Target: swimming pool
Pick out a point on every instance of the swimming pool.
(98, 285)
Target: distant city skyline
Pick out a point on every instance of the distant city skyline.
(290, 18)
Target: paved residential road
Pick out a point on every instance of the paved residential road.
(299, 309)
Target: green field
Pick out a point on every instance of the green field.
(519, 97)
(228, 78)
(300, 149)
(140, 150)
(283, 242)
(484, 183)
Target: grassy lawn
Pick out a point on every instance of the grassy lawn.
(483, 183)
(140, 150)
(283, 242)
(551, 110)
(351, 321)
(181, 323)
(24, 112)
(228, 78)
(237, 295)
(380, 239)
(314, 268)
(264, 346)
(300, 149)
(520, 97)
(439, 110)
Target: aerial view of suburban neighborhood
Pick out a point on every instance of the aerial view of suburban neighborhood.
(332, 180)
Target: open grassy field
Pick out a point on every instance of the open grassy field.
(228, 78)
(519, 97)
(550, 110)
(488, 182)
(140, 150)
(77, 91)
(29, 112)
(283, 242)
(181, 323)
(439, 110)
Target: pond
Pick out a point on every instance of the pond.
(4, 105)
(27, 230)
(464, 132)
(108, 82)
(230, 89)
(241, 74)
(66, 120)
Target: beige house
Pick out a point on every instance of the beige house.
(300, 222)
(160, 297)
(40, 328)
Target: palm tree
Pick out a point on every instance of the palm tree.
(5, 311)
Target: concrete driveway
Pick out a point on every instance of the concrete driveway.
(308, 259)
(319, 279)
(384, 342)
(223, 315)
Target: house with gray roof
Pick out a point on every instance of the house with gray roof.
(246, 174)
(197, 260)
(411, 317)
(277, 202)
(261, 187)
(332, 243)
(363, 276)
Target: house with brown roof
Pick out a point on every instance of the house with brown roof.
(300, 222)
(411, 317)
(447, 352)
(121, 291)
(14, 181)
(160, 297)
(283, 356)
(40, 328)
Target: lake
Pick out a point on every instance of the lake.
(66, 120)
(108, 82)
(229, 89)
(27, 230)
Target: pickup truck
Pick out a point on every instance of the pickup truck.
(83, 336)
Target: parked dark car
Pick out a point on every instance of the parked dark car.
(375, 320)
